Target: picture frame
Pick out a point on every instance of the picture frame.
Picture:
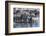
(19, 6)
